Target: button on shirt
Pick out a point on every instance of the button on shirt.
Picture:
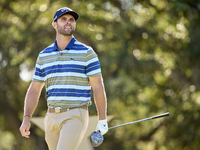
(66, 73)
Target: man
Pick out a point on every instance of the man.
(68, 69)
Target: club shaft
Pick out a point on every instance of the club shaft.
(154, 117)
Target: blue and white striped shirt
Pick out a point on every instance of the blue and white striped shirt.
(66, 73)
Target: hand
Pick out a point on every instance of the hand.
(24, 129)
(102, 126)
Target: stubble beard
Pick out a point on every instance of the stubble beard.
(62, 31)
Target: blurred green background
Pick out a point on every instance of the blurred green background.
(149, 52)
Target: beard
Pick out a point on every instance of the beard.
(62, 31)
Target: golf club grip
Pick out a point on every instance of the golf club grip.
(159, 116)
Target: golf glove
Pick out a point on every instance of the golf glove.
(102, 126)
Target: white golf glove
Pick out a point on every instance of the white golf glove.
(102, 126)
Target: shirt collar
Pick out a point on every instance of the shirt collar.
(69, 46)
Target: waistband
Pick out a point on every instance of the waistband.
(59, 110)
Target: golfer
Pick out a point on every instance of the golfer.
(69, 70)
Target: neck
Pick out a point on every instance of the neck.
(63, 41)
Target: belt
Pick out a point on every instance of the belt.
(59, 110)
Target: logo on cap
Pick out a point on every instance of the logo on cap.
(65, 9)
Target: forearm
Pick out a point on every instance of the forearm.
(100, 102)
(31, 100)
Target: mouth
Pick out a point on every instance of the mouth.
(67, 27)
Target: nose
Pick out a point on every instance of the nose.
(68, 22)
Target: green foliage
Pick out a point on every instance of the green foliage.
(149, 53)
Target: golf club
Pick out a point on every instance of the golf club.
(96, 138)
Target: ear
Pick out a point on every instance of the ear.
(54, 25)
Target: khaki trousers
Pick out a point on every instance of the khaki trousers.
(65, 131)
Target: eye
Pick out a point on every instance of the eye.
(72, 19)
(63, 19)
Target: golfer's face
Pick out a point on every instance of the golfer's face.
(66, 25)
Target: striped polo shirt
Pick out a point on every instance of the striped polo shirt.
(66, 73)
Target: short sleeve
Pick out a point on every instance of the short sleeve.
(39, 74)
(93, 67)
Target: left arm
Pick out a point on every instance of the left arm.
(100, 98)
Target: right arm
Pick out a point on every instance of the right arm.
(31, 101)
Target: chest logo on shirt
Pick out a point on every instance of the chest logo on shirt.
(72, 58)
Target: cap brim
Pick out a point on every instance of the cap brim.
(73, 13)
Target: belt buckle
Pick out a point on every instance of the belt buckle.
(57, 110)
